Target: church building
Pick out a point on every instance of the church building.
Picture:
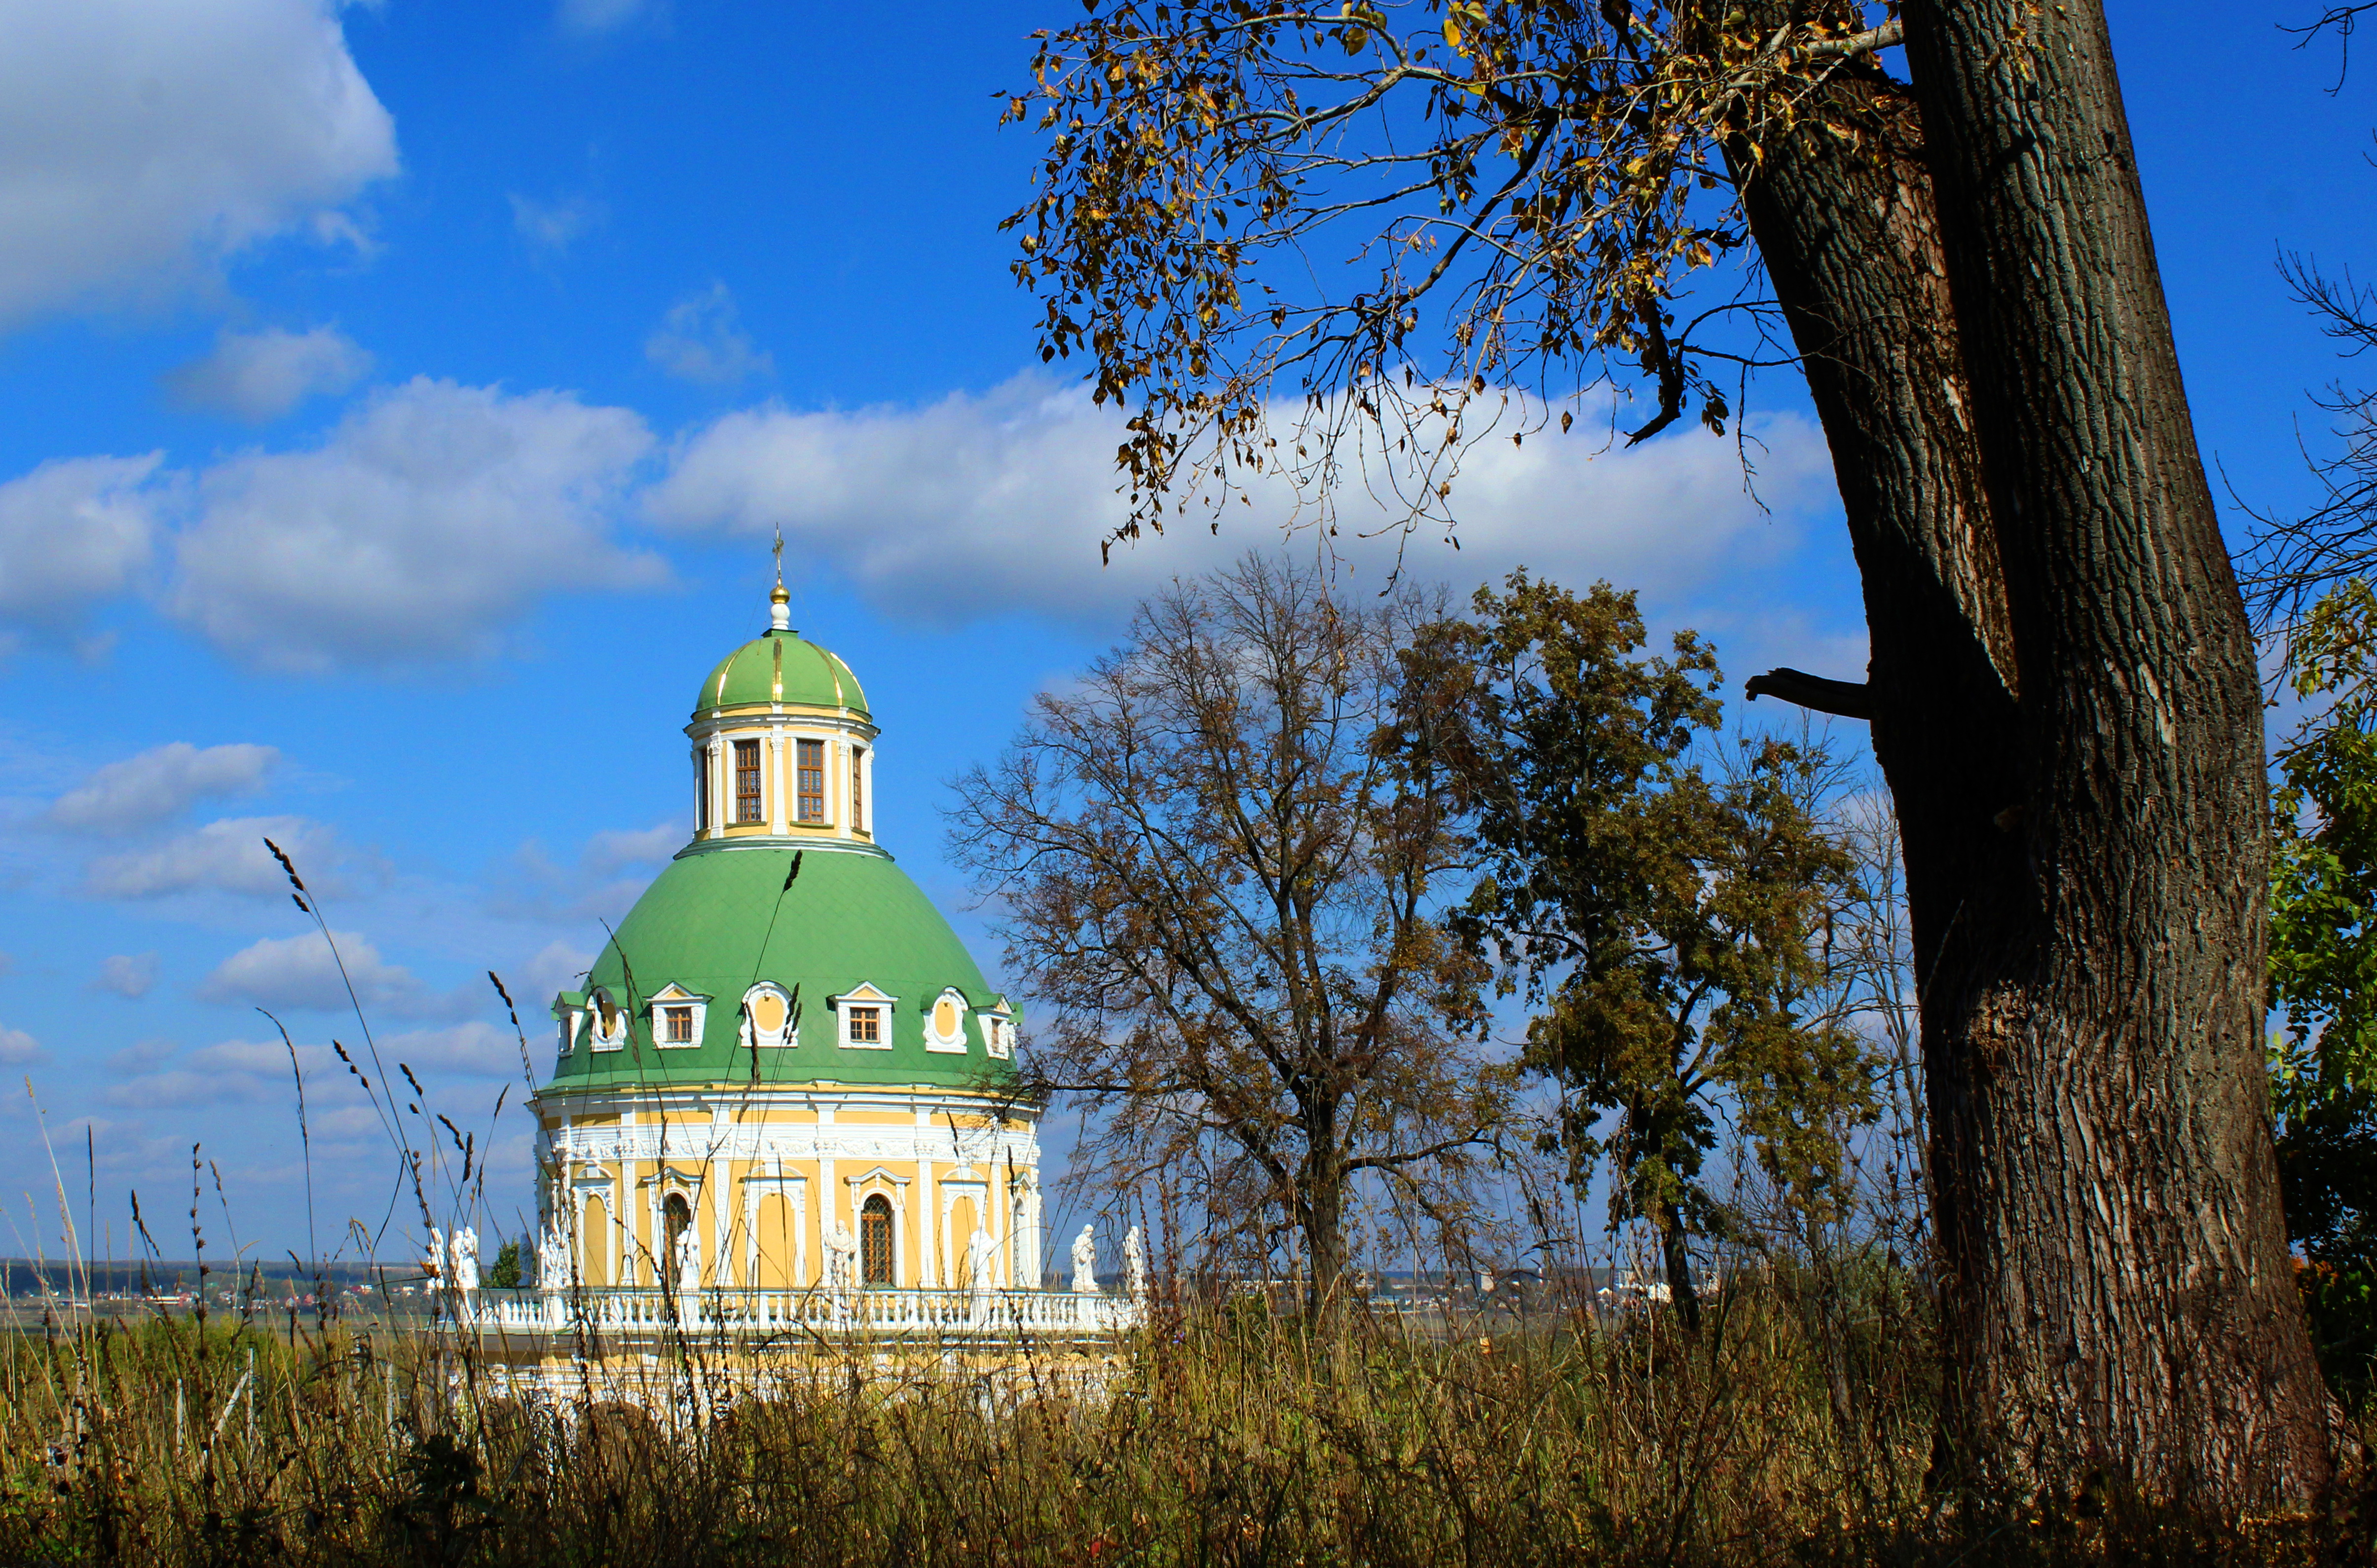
(785, 1070)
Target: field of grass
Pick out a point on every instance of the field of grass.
(1795, 1431)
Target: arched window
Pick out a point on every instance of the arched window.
(677, 1218)
(875, 1241)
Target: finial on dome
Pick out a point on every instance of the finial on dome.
(780, 604)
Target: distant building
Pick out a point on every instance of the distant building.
(781, 1079)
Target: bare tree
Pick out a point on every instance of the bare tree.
(1227, 891)
(1317, 239)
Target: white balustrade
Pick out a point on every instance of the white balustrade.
(873, 1313)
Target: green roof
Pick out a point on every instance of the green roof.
(851, 919)
(780, 661)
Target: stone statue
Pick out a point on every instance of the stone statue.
(981, 1269)
(841, 1257)
(434, 1263)
(1085, 1263)
(1134, 1265)
(687, 1260)
(551, 1256)
(465, 1247)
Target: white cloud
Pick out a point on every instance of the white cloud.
(558, 968)
(127, 974)
(72, 533)
(17, 1048)
(611, 849)
(478, 1050)
(553, 226)
(980, 504)
(302, 971)
(142, 1054)
(224, 856)
(601, 15)
(425, 523)
(142, 791)
(261, 375)
(602, 885)
(702, 339)
(142, 144)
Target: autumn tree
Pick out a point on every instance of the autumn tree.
(1227, 897)
(1329, 244)
(1661, 906)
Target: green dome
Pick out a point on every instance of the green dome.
(852, 918)
(780, 661)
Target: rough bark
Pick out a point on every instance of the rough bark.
(2064, 711)
(1676, 1260)
(2121, 1296)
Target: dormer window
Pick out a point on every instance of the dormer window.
(677, 1018)
(810, 783)
(866, 1015)
(998, 1029)
(747, 805)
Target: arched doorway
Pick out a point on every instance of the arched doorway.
(875, 1241)
(677, 1218)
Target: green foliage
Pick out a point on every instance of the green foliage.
(1663, 915)
(2324, 889)
(504, 1273)
(2324, 982)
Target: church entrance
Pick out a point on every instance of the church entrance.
(875, 1241)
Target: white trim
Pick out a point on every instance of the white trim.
(571, 1020)
(953, 1042)
(894, 1192)
(618, 1039)
(998, 1031)
(866, 994)
(790, 1035)
(674, 995)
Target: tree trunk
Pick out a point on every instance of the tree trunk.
(1676, 1260)
(2083, 847)
(1322, 1194)
(2123, 1297)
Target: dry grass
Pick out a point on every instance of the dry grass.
(1232, 1438)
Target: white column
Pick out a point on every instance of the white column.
(622, 1226)
(996, 1201)
(779, 784)
(722, 804)
(1032, 1239)
(928, 1276)
(721, 1175)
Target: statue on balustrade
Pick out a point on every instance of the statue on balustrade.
(1085, 1263)
(1134, 1265)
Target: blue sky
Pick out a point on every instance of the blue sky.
(400, 396)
